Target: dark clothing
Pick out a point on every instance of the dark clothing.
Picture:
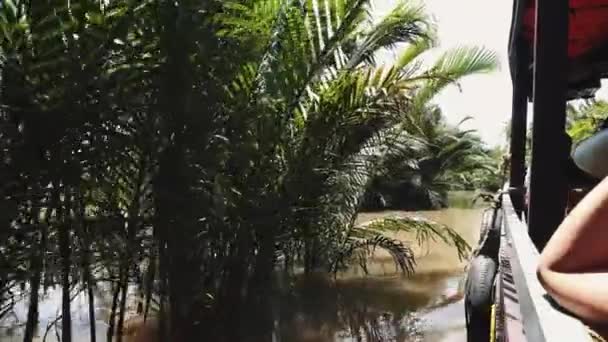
(578, 178)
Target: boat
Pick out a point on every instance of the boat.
(558, 51)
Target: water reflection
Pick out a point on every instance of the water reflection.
(383, 306)
(386, 306)
(49, 324)
(366, 309)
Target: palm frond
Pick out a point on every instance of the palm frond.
(405, 23)
(363, 241)
(362, 249)
(454, 65)
(425, 231)
(412, 52)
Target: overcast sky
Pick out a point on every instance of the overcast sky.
(486, 98)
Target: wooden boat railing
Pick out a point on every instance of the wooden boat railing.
(538, 318)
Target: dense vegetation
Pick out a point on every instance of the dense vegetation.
(192, 147)
(453, 159)
(585, 118)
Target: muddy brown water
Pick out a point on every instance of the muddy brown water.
(381, 306)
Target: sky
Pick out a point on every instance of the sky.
(485, 98)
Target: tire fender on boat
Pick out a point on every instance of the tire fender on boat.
(479, 297)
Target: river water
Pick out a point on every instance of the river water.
(432, 297)
(381, 306)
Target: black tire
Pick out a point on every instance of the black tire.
(490, 246)
(478, 298)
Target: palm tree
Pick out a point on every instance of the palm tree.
(203, 140)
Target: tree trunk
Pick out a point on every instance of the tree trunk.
(92, 312)
(175, 245)
(87, 259)
(233, 285)
(307, 256)
(124, 285)
(89, 281)
(36, 269)
(112, 319)
(264, 263)
(66, 264)
(66, 321)
(163, 331)
(141, 292)
(159, 234)
(32, 313)
(149, 285)
(260, 293)
(310, 255)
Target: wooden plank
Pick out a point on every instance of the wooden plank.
(541, 321)
(549, 148)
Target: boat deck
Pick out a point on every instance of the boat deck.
(525, 312)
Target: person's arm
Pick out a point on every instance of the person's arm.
(573, 266)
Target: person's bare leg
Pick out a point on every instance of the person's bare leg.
(574, 264)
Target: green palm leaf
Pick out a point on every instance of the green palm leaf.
(453, 65)
(365, 239)
(404, 24)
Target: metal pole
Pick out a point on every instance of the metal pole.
(549, 149)
(518, 135)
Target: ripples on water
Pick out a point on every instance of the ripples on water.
(383, 306)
